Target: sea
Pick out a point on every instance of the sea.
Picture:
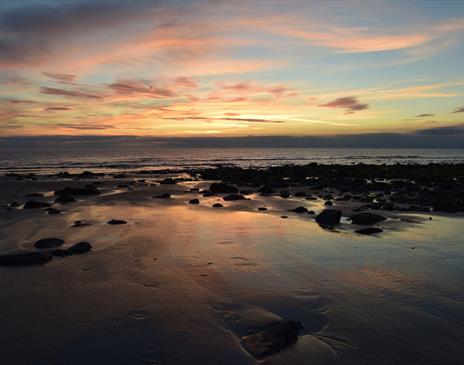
(75, 161)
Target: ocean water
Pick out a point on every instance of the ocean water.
(116, 160)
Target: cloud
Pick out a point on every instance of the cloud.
(425, 115)
(248, 120)
(459, 110)
(443, 131)
(56, 108)
(127, 87)
(85, 126)
(350, 103)
(69, 93)
(60, 77)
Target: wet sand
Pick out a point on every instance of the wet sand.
(182, 283)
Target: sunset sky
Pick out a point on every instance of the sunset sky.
(231, 68)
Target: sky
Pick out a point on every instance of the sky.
(203, 69)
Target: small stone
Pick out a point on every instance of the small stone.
(116, 221)
(217, 205)
(194, 201)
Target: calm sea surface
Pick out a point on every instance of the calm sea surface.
(105, 161)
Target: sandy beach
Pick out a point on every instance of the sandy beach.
(183, 281)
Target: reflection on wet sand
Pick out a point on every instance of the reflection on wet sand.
(182, 281)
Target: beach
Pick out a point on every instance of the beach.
(179, 282)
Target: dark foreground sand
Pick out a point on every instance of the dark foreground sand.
(183, 284)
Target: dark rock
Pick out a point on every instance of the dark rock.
(80, 248)
(300, 193)
(367, 219)
(328, 203)
(194, 201)
(120, 176)
(32, 204)
(168, 181)
(90, 174)
(80, 224)
(329, 217)
(266, 190)
(34, 195)
(284, 194)
(25, 258)
(194, 189)
(48, 243)
(234, 196)
(311, 212)
(284, 216)
(53, 211)
(272, 339)
(207, 194)
(369, 230)
(116, 221)
(246, 192)
(87, 190)
(162, 196)
(262, 208)
(61, 252)
(217, 205)
(221, 188)
(64, 199)
(299, 210)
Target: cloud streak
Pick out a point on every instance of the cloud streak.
(349, 103)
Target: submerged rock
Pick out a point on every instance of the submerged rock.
(48, 243)
(329, 217)
(168, 181)
(234, 196)
(272, 339)
(299, 210)
(369, 230)
(194, 201)
(25, 258)
(162, 196)
(87, 190)
(80, 248)
(262, 208)
(32, 204)
(53, 211)
(284, 194)
(367, 219)
(217, 205)
(221, 188)
(116, 221)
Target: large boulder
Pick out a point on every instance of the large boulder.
(329, 217)
(221, 188)
(234, 196)
(273, 339)
(48, 243)
(25, 258)
(32, 204)
(367, 219)
(70, 191)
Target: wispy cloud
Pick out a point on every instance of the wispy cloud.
(69, 93)
(349, 103)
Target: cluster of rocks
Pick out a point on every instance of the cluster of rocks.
(438, 187)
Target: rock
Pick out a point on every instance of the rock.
(311, 212)
(284, 216)
(299, 210)
(162, 196)
(116, 221)
(329, 217)
(207, 194)
(217, 205)
(25, 258)
(272, 339)
(34, 195)
(369, 230)
(61, 252)
(80, 248)
(80, 224)
(53, 211)
(221, 188)
(64, 199)
(90, 174)
(87, 190)
(120, 176)
(266, 190)
(234, 196)
(328, 203)
(194, 201)
(194, 189)
(367, 219)
(32, 204)
(284, 194)
(168, 181)
(48, 243)
(300, 193)
(262, 208)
